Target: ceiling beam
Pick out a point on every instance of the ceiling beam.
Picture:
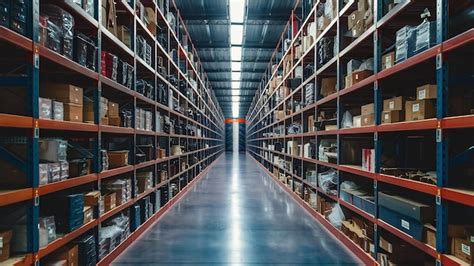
(226, 44)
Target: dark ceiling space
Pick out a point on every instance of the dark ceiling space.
(209, 25)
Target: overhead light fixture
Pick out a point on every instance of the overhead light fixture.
(235, 98)
(235, 109)
(235, 92)
(236, 53)
(236, 75)
(236, 11)
(236, 66)
(236, 34)
(235, 84)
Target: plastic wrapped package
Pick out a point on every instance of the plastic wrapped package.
(328, 181)
(425, 36)
(347, 121)
(88, 6)
(50, 35)
(85, 51)
(367, 64)
(65, 22)
(349, 185)
(337, 216)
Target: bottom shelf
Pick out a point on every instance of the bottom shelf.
(366, 258)
(109, 258)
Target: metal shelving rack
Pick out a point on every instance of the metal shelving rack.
(37, 58)
(262, 110)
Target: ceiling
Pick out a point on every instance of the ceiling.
(209, 25)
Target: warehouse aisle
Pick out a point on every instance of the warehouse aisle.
(236, 215)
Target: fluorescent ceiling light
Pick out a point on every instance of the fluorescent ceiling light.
(236, 53)
(235, 92)
(235, 98)
(236, 75)
(235, 109)
(236, 66)
(236, 34)
(237, 8)
(235, 84)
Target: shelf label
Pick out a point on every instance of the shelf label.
(405, 224)
(466, 249)
(416, 108)
(439, 61)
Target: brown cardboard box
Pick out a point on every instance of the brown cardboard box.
(311, 126)
(426, 92)
(113, 109)
(5, 238)
(461, 231)
(115, 121)
(123, 34)
(394, 104)
(358, 76)
(88, 214)
(358, 29)
(279, 115)
(92, 198)
(71, 255)
(388, 60)
(328, 86)
(430, 235)
(151, 18)
(109, 201)
(357, 121)
(367, 109)
(354, 17)
(104, 121)
(367, 120)
(392, 117)
(65, 93)
(117, 158)
(348, 81)
(88, 111)
(462, 249)
(73, 112)
(420, 109)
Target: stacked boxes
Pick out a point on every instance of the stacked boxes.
(87, 250)
(361, 19)
(109, 65)
(393, 110)
(113, 114)
(68, 211)
(144, 181)
(117, 158)
(53, 166)
(122, 189)
(109, 15)
(47, 230)
(143, 119)
(405, 43)
(65, 97)
(5, 238)
(367, 114)
(424, 107)
(328, 86)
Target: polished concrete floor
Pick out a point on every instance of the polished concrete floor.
(236, 215)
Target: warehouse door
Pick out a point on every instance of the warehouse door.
(235, 135)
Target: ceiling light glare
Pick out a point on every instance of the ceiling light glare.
(236, 75)
(236, 11)
(236, 66)
(235, 109)
(235, 98)
(236, 53)
(235, 92)
(235, 84)
(236, 34)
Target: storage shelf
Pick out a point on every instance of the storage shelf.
(15, 121)
(8, 197)
(66, 184)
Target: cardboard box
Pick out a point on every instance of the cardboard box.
(368, 160)
(367, 109)
(358, 76)
(279, 115)
(88, 111)
(88, 214)
(463, 249)
(430, 235)
(367, 120)
(92, 198)
(109, 201)
(311, 126)
(113, 109)
(461, 231)
(358, 29)
(73, 112)
(357, 121)
(65, 93)
(426, 92)
(5, 239)
(394, 104)
(388, 60)
(392, 117)
(123, 34)
(115, 121)
(70, 255)
(117, 158)
(328, 86)
(420, 109)
(415, 210)
(354, 18)
(348, 81)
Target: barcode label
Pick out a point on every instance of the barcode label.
(405, 224)
(421, 94)
(466, 249)
(416, 108)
